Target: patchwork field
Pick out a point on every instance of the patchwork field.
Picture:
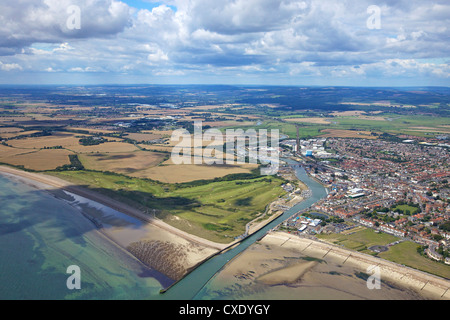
(10, 130)
(310, 120)
(348, 113)
(66, 140)
(133, 163)
(47, 159)
(8, 120)
(191, 172)
(229, 123)
(107, 147)
(92, 130)
(9, 135)
(440, 129)
(392, 123)
(152, 147)
(7, 152)
(337, 133)
(139, 137)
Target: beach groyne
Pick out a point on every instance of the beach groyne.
(427, 285)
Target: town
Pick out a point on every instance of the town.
(397, 187)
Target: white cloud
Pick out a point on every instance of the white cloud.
(29, 21)
(158, 56)
(315, 38)
(10, 66)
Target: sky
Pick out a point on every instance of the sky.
(255, 42)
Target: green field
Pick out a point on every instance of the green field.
(289, 129)
(217, 210)
(418, 125)
(360, 240)
(404, 208)
(406, 253)
(394, 123)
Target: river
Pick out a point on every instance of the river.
(41, 236)
(190, 286)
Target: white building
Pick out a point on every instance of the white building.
(393, 231)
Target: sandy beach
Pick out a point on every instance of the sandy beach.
(284, 266)
(155, 243)
(280, 265)
(426, 284)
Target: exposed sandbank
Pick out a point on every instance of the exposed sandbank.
(155, 243)
(427, 285)
(284, 266)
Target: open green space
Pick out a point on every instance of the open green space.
(394, 123)
(289, 129)
(217, 209)
(359, 240)
(406, 253)
(418, 125)
(406, 209)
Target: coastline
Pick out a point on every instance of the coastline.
(282, 266)
(126, 227)
(58, 183)
(427, 285)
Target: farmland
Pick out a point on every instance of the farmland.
(39, 160)
(337, 133)
(120, 143)
(121, 162)
(190, 172)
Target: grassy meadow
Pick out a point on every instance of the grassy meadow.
(406, 253)
(216, 209)
(360, 240)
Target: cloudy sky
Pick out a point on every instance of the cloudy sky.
(286, 42)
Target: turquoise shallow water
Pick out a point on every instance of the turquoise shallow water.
(40, 237)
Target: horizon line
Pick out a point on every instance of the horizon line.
(218, 84)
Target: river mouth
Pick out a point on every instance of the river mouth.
(110, 273)
(192, 284)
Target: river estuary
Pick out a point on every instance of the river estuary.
(42, 236)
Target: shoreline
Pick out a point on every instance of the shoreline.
(428, 285)
(141, 248)
(126, 228)
(108, 202)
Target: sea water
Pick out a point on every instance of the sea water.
(41, 236)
